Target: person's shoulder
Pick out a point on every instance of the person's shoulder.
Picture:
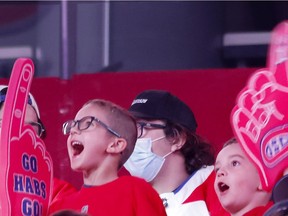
(145, 199)
(59, 183)
(62, 188)
(138, 184)
(61, 191)
(201, 176)
(133, 180)
(206, 170)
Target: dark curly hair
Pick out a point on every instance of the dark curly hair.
(196, 151)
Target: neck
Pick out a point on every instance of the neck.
(167, 179)
(261, 199)
(100, 176)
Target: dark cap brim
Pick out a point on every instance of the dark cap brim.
(142, 115)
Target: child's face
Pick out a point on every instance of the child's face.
(87, 148)
(237, 179)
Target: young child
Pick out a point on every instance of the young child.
(101, 138)
(237, 183)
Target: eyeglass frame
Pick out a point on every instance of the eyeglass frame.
(93, 118)
(41, 129)
(147, 125)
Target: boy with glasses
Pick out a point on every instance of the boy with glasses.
(171, 156)
(101, 139)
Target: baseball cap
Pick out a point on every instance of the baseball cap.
(31, 99)
(159, 104)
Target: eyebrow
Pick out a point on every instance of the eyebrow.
(237, 156)
(233, 156)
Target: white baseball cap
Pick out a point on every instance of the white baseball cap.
(31, 99)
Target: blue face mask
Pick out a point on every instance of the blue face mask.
(143, 162)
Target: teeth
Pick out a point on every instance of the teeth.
(76, 143)
(78, 147)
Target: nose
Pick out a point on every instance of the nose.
(221, 172)
(74, 129)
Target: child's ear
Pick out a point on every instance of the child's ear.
(117, 146)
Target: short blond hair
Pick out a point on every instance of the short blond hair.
(120, 120)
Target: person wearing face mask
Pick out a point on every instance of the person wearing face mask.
(171, 156)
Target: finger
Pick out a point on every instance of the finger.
(17, 97)
(278, 48)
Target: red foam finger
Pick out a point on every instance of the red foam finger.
(26, 166)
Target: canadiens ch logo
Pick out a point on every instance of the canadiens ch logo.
(274, 146)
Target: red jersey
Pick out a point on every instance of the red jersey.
(60, 189)
(125, 196)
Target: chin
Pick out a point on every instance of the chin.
(76, 168)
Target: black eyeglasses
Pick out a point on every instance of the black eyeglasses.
(39, 129)
(84, 124)
(147, 125)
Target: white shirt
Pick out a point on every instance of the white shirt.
(174, 200)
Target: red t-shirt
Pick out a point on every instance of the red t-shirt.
(125, 196)
(61, 189)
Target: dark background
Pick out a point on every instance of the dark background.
(97, 36)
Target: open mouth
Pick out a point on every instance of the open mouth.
(222, 187)
(77, 148)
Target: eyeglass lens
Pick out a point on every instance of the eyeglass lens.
(147, 125)
(84, 124)
(37, 127)
(81, 124)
